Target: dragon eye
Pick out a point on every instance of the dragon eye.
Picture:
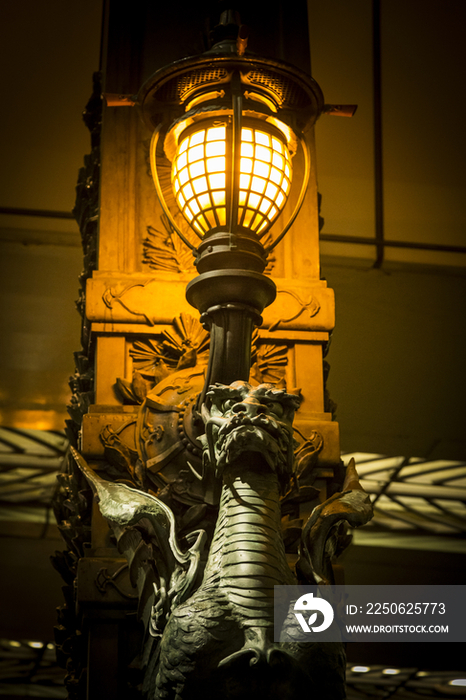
(228, 404)
(276, 408)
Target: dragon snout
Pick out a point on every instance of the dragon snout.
(260, 420)
(249, 409)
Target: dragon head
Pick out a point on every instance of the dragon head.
(241, 418)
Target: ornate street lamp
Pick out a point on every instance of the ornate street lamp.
(226, 127)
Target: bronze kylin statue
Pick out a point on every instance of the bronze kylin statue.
(209, 605)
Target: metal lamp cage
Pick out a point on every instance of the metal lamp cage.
(202, 172)
(235, 124)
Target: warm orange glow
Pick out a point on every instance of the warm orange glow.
(200, 178)
(34, 419)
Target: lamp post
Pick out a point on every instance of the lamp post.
(227, 127)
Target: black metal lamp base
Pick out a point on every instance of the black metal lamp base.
(231, 303)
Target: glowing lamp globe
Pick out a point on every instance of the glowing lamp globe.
(203, 172)
(226, 127)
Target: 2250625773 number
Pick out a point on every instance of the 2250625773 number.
(404, 608)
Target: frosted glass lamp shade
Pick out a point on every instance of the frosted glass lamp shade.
(203, 170)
